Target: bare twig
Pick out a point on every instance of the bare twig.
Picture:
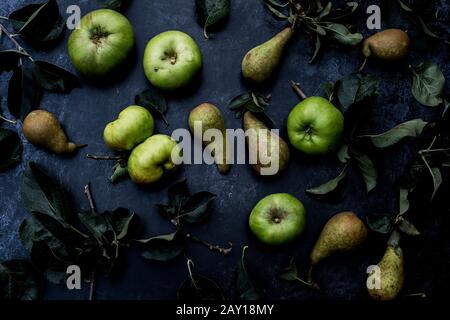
(11, 37)
(101, 158)
(298, 90)
(7, 120)
(212, 247)
(88, 193)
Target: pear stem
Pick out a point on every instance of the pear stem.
(7, 120)
(81, 146)
(298, 90)
(310, 281)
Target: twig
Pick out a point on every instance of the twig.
(7, 120)
(434, 150)
(298, 90)
(363, 65)
(212, 247)
(92, 286)
(18, 46)
(101, 158)
(88, 193)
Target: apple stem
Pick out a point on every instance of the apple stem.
(7, 120)
(102, 158)
(298, 90)
(11, 37)
(88, 193)
(212, 247)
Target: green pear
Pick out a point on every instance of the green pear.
(391, 271)
(269, 150)
(259, 63)
(151, 159)
(43, 129)
(390, 44)
(134, 125)
(210, 117)
(343, 232)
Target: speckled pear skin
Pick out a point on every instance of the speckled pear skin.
(390, 45)
(392, 274)
(343, 232)
(42, 129)
(211, 118)
(259, 63)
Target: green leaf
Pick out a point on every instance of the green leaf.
(329, 186)
(211, 12)
(342, 35)
(41, 194)
(343, 154)
(11, 149)
(38, 22)
(9, 59)
(53, 78)
(290, 272)
(380, 224)
(354, 88)
(240, 101)
(428, 84)
(367, 168)
(245, 288)
(124, 223)
(120, 173)
(155, 102)
(197, 207)
(163, 247)
(113, 4)
(199, 288)
(24, 93)
(325, 12)
(19, 281)
(318, 45)
(329, 88)
(403, 201)
(276, 12)
(408, 228)
(412, 128)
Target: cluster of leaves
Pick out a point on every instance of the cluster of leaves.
(211, 13)
(19, 280)
(183, 208)
(319, 21)
(251, 102)
(198, 287)
(56, 237)
(421, 22)
(352, 90)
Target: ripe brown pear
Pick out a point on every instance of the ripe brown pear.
(259, 63)
(390, 45)
(42, 129)
(271, 150)
(343, 232)
(210, 117)
(391, 272)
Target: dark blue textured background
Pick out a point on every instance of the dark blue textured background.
(86, 111)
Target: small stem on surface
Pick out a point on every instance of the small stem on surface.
(7, 120)
(92, 286)
(212, 247)
(306, 283)
(420, 295)
(4, 18)
(363, 64)
(434, 150)
(298, 90)
(101, 158)
(88, 193)
(11, 37)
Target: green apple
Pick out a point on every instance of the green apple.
(278, 219)
(101, 42)
(171, 60)
(134, 125)
(149, 160)
(315, 126)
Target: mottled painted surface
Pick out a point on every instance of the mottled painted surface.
(85, 112)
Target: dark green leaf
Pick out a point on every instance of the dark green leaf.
(38, 22)
(53, 78)
(329, 186)
(179, 194)
(11, 149)
(408, 228)
(240, 101)
(318, 45)
(120, 173)
(428, 84)
(325, 12)
(211, 12)
(277, 13)
(342, 35)
(368, 87)
(9, 59)
(290, 272)
(412, 128)
(380, 224)
(329, 87)
(367, 168)
(24, 93)
(245, 288)
(124, 223)
(113, 4)
(41, 194)
(355, 88)
(403, 201)
(199, 288)
(197, 208)
(19, 281)
(155, 102)
(343, 154)
(164, 247)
